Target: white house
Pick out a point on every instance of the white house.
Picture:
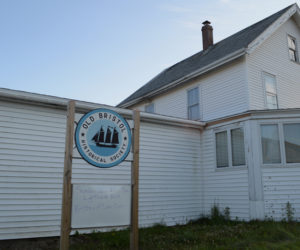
(226, 131)
(247, 89)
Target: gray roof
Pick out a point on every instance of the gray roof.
(199, 60)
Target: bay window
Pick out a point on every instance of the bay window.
(292, 142)
(280, 143)
(270, 144)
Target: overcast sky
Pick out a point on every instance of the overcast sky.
(102, 51)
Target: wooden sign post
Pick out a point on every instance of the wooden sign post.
(67, 176)
(134, 232)
(67, 187)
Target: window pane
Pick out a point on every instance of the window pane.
(292, 43)
(193, 96)
(150, 108)
(292, 54)
(194, 112)
(238, 147)
(292, 142)
(270, 144)
(270, 84)
(222, 149)
(271, 102)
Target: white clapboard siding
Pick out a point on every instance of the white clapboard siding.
(221, 93)
(224, 188)
(32, 146)
(281, 185)
(273, 57)
(169, 174)
(31, 160)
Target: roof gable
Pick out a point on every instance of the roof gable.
(194, 65)
(291, 10)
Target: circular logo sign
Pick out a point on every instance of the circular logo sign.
(103, 138)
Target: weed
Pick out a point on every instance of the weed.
(219, 217)
(201, 234)
(289, 211)
(227, 213)
(215, 212)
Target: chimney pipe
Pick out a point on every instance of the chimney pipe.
(207, 35)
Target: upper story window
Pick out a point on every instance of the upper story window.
(149, 108)
(230, 149)
(193, 104)
(280, 143)
(271, 91)
(292, 49)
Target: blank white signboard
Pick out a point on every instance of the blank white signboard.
(100, 205)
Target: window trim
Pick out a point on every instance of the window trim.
(280, 124)
(296, 50)
(198, 103)
(266, 93)
(230, 163)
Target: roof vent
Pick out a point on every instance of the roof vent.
(207, 35)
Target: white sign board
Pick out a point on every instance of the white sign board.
(100, 205)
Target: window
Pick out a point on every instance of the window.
(292, 49)
(237, 147)
(280, 141)
(271, 92)
(193, 104)
(230, 150)
(270, 144)
(149, 108)
(222, 149)
(292, 142)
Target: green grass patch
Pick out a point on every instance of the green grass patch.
(201, 234)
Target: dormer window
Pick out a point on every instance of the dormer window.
(292, 49)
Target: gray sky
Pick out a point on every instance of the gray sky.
(102, 51)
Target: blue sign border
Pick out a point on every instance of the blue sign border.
(99, 165)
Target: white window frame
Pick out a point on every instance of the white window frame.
(198, 103)
(149, 105)
(266, 93)
(281, 142)
(296, 49)
(229, 146)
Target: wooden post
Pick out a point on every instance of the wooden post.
(134, 232)
(65, 226)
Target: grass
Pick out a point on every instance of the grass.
(201, 234)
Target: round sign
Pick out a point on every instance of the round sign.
(103, 138)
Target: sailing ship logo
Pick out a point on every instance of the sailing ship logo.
(108, 140)
(103, 138)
